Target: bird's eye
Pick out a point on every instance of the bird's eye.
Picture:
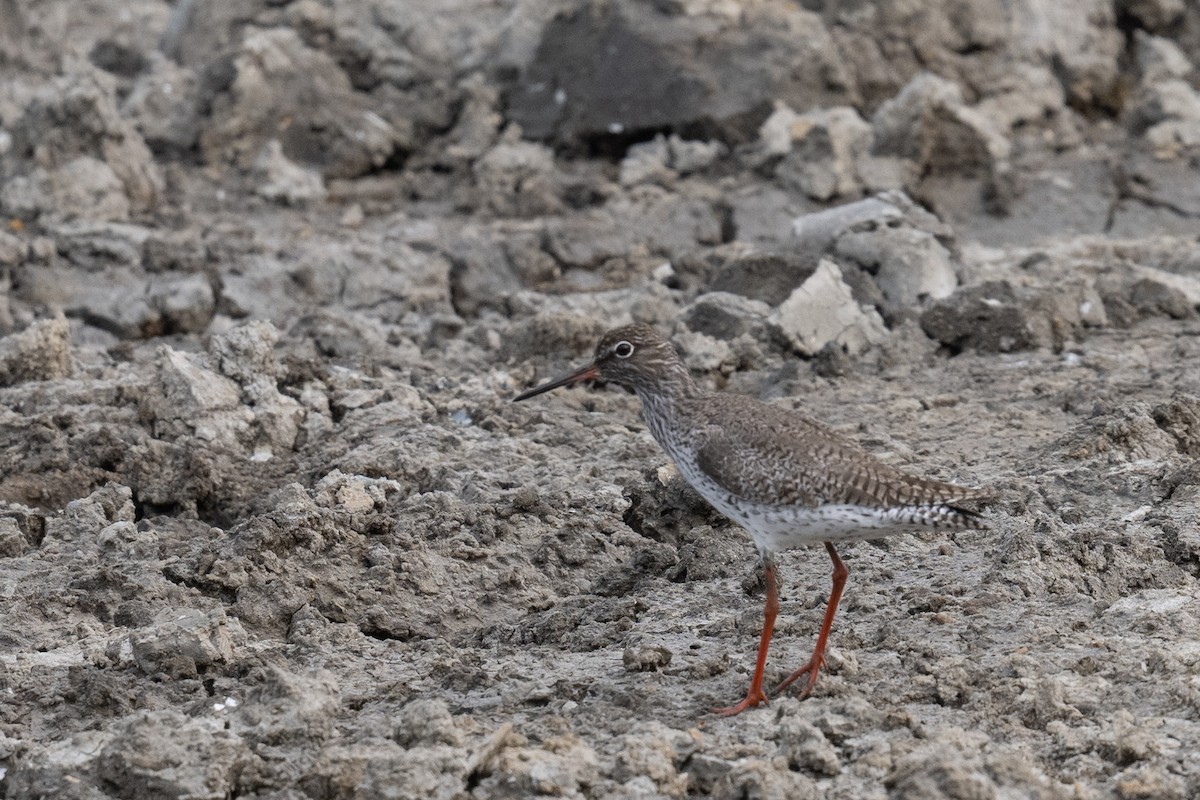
(623, 350)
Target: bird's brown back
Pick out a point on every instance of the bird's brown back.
(766, 454)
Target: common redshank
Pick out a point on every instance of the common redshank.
(785, 478)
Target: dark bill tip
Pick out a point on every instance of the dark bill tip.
(583, 374)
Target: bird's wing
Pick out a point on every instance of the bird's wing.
(767, 454)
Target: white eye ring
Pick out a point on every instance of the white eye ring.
(623, 350)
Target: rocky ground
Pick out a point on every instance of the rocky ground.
(271, 528)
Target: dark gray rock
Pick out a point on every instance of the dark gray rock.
(991, 317)
(768, 277)
(1152, 15)
(617, 70)
(726, 316)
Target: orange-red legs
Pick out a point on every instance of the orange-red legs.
(756, 696)
(818, 657)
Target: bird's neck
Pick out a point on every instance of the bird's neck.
(663, 399)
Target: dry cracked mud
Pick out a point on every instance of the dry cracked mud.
(270, 526)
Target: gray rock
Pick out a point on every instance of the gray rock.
(333, 129)
(900, 123)
(764, 214)
(706, 771)
(824, 151)
(1180, 417)
(90, 164)
(689, 156)
(929, 124)
(284, 181)
(183, 642)
(1159, 58)
(886, 220)
(1168, 111)
(910, 266)
(12, 542)
(762, 780)
(1129, 432)
(823, 310)
(654, 751)
(1185, 284)
(561, 766)
(806, 748)
(247, 353)
(12, 250)
(185, 303)
(814, 233)
(41, 352)
(1084, 42)
(481, 274)
(285, 708)
(84, 187)
(949, 769)
(646, 659)
(1026, 94)
(647, 162)
(552, 334)
(1155, 298)
(82, 520)
(381, 769)
(92, 246)
(426, 722)
(648, 220)
(476, 129)
(190, 390)
(166, 754)
(519, 179)
(165, 105)
(103, 280)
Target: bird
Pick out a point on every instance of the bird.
(784, 477)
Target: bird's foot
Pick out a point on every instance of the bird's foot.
(754, 698)
(809, 672)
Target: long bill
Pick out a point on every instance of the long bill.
(587, 373)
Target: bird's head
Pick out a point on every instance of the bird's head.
(635, 356)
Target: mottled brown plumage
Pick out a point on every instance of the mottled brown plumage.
(786, 478)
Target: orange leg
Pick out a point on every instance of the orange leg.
(818, 657)
(756, 696)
